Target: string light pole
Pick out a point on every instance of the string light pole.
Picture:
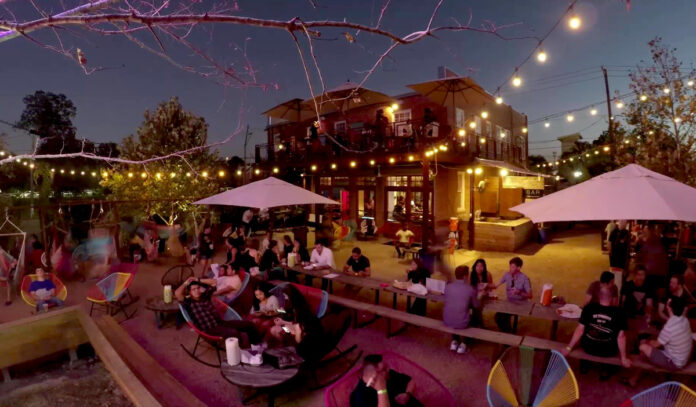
(611, 118)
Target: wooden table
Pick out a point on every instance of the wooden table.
(549, 313)
(263, 378)
(157, 305)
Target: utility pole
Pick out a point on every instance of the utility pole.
(611, 118)
(246, 140)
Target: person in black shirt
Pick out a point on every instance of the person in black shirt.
(270, 261)
(636, 296)
(287, 246)
(417, 273)
(357, 264)
(619, 241)
(380, 386)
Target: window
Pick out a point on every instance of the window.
(416, 181)
(397, 181)
(478, 122)
(340, 181)
(460, 118)
(325, 181)
(340, 127)
(402, 116)
(402, 121)
(365, 181)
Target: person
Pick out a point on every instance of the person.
(230, 250)
(247, 218)
(367, 227)
(357, 264)
(398, 211)
(265, 306)
(300, 251)
(43, 291)
(607, 232)
(227, 283)
(637, 297)
(206, 250)
(7, 264)
(250, 257)
(270, 261)
(460, 297)
(299, 326)
(35, 260)
(517, 288)
(605, 280)
(428, 116)
(652, 254)
(481, 278)
(287, 245)
(380, 386)
(601, 331)
(205, 317)
(239, 238)
(403, 239)
(619, 242)
(417, 273)
(676, 290)
(321, 258)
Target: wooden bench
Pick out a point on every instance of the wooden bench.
(578, 353)
(500, 338)
(158, 381)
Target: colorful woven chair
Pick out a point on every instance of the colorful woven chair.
(109, 293)
(527, 377)
(216, 342)
(667, 394)
(429, 390)
(61, 290)
(177, 275)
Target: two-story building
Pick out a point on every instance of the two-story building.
(449, 149)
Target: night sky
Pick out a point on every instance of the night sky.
(111, 102)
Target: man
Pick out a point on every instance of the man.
(460, 297)
(605, 280)
(637, 297)
(601, 331)
(357, 264)
(676, 290)
(43, 291)
(672, 348)
(517, 288)
(321, 258)
(619, 241)
(403, 239)
(206, 318)
(380, 386)
(247, 218)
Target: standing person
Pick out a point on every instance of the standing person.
(247, 218)
(206, 318)
(403, 240)
(601, 331)
(43, 291)
(357, 264)
(206, 250)
(460, 297)
(672, 348)
(605, 280)
(607, 232)
(517, 288)
(619, 242)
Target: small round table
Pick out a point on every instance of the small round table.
(157, 305)
(264, 378)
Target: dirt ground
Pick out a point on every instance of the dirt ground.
(570, 261)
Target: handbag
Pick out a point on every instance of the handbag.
(282, 358)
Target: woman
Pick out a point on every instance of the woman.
(249, 258)
(270, 261)
(207, 249)
(482, 281)
(265, 307)
(299, 326)
(301, 257)
(287, 246)
(417, 273)
(231, 251)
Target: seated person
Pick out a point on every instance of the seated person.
(675, 290)
(637, 297)
(270, 260)
(672, 348)
(43, 291)
(417, 273)
(403, 240)
(460, 298)
(380, 386)
(322, 258)
(206, 318)
(226, 284)
(605, 280)
(298, 326)
(517, 288)
(238, 237)
(265, 307)
(357, 264)
(601, 330)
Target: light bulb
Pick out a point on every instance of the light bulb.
(643, 98)
(392, 160)
(499, 100)
(395, 106)
(484, 114)
(593, 112)
(275, 170)
(619, 105)
(257, 171)
(503, 172)
(541, 56)
(461, 132)
(478, 171)
(570, 118)
(690, 83)
(143, 175)
(472, 125)
(524, 130)
(574, 22)
(372, 162)
(666, 91)
(239, 172)
(516, 81)
(547, 124)
(204, 174)
(333, 166)
(353, 164)
(221, 173)
(314, 168)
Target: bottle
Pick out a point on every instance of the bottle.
(167, 294)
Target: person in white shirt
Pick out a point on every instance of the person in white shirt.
(672, 348)
(247, 217)
(227, 283)
(321, 258)
(403, 239)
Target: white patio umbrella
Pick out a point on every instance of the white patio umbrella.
(631, 192)
(266, 193)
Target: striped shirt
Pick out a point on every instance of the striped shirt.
(675, 336)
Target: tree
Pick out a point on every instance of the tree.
(662, 117)
(536, 160)
(49, 116)
(174, 181)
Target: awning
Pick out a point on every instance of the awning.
(510, 167)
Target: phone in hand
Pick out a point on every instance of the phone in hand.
(281, 311)
(286, 329)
